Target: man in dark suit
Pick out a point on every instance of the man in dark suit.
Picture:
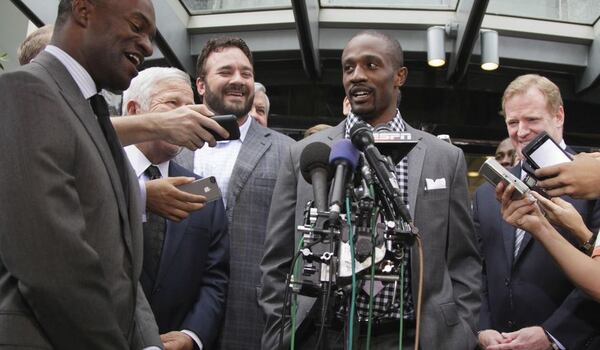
(70, 229)
(246, 170)
(185, 263)
(528, 302)
(437, 197)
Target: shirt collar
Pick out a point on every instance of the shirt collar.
(83, 79)
(140, 163)
(396, 124)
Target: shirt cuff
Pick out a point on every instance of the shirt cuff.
(194, 338)
(143, 198)
(555, 341)
(152, 348)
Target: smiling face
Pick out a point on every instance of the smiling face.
(166, 95)
(228, 83)
(528, 114)
(370, 79)
(118, 36)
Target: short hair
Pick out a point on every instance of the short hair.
(396, 52)
(144, 84)
(64, 10)
(217, 45)
(258, 87)
(524, 82)
(34, 43)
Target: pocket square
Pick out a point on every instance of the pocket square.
(437, 184)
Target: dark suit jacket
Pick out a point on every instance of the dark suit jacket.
(70, 247)
(531, 289)
(248, 202)
(189, 291)
(451, 292)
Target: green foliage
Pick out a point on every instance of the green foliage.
(3, 58)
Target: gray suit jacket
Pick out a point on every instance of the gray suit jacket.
(70, 247)
(248, 202)
(452, 271)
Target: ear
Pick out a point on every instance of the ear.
(80, 11)
(200, 86)
(559, 117)
(133, 108)
(400, 77)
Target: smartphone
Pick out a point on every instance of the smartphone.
(229, 123)
(493, 172)
(543, 151)
(206, 187)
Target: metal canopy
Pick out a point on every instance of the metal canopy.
(306, 14)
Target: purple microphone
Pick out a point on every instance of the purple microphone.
(344, 158)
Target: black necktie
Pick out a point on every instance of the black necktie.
(100, 108)
(154, 232)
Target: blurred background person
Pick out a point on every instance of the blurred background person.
(505, 153)
(34, 43)
(315, 129)
(261, 104)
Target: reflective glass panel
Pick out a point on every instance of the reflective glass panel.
(574, 11)
(401, 4)
(196, 7)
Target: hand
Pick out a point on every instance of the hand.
(579, 178)
(491, 337)
(166, 200)
(562, 213)
(187, 126)
(529, 338)
(177, 341)
(523, 213)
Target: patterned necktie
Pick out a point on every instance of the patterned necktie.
(519, 234)
(100, 108)
(154, 232)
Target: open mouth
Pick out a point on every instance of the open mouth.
(360, 94)
(135, 59)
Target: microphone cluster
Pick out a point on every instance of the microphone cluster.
(352, 181)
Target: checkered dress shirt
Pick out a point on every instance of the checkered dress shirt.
(382, 302)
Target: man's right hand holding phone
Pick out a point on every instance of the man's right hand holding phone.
(165, 199)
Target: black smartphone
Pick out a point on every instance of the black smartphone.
(543, 151)
(206, 187)
(229, 123)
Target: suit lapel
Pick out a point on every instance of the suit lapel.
(82, 109)
(254, 146)
(185, 158)
(416, 157)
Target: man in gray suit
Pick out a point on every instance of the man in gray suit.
(437, 198)
(246, 170)
(70, 229)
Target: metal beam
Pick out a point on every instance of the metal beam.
(172, 37)
(306, 14)
(591, 75)
(39, 12)
(469, 16)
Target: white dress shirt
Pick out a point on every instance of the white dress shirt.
(219, 161)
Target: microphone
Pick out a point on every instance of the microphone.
(314, 166)
(344, 158)
(362, 137)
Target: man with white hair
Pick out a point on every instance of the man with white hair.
(186, 264)
(261, 104)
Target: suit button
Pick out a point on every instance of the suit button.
(506, 282)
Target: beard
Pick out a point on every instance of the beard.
(217, 103)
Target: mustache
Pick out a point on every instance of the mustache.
(360, 87)
(237, 88)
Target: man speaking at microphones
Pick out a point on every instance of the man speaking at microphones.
(432, 184)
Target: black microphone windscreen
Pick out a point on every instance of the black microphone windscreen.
(314, 155)
(361, 135)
